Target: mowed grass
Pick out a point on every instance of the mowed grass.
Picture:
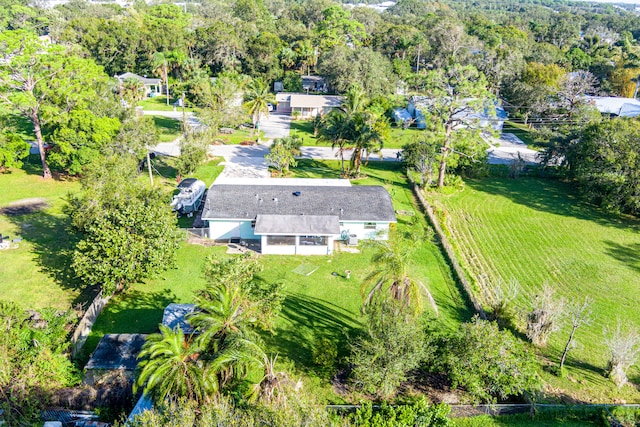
(238, 136)
(537, 231)
(397, 137)
(168, 129)
(159, 103)
(323, 304)
(36, 274)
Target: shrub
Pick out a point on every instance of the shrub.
(325, 353)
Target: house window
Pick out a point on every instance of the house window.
(369, 225)
(281, 240)
(313, 240)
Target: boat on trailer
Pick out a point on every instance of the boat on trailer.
(190, 197)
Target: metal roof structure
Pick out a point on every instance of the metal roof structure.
(117, 351)
(246, 202)
(623, 107)
(175, 316)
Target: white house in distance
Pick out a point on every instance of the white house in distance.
(492, 116)
(307, 105)
(297, 216)
(150, 85)
(615, 106)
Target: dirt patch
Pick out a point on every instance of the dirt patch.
(24, 206)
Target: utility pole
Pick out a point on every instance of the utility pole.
(149, 167)
(418, 59)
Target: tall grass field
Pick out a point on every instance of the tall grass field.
(538, 232)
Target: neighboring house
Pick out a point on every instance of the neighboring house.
(297, 217)
(150, 85)
(115, 356)
(314, 84)
(307, 105)
(491, 116)
(615, 106)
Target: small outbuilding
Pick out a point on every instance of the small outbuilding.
(116, 355)
(175, 316)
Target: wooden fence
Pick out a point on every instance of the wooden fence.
(86, 323)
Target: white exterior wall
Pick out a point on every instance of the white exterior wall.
(380, 233)
(222, 230)
(276, 249)
(297, 249)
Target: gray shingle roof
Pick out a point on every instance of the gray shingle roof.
(297, 224)
(144, 80)
(357, 203)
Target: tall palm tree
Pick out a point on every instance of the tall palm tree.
(132, 90)
(391, 259)
(257, 97)
(337, 130)
(365, 136)
(160, 66)
(171, 366)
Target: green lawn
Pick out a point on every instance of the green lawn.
(17, 123)
(321, 304)
(36, 274)
(159, 103)
(398, 137)
(524, 420)
(168, 129)
(238, 136)
(521, 131)
(537, 231)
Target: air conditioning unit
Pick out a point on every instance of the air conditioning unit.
(353, 240)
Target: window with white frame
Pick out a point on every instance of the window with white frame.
(281, 240)
(314, 240)
(369, 225)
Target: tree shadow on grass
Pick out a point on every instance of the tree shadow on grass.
(53, 246)
(626, 254)
(310, 168)
(133, 312)
(550, 196)
(305, 319)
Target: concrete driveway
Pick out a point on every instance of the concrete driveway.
(277, 125)
(242, 161)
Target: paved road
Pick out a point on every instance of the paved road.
(506, 148)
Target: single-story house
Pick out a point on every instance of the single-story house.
(307, 105)
(150, 85)
(116, 354)
(314, 84)
(615, 106)
(296, 219)
(491, 116)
